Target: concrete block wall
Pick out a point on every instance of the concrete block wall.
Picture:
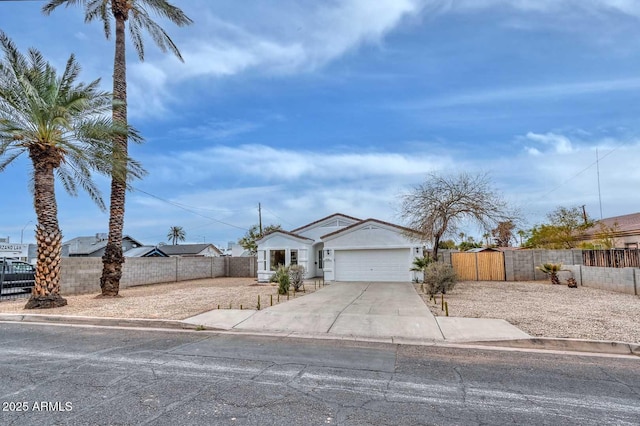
(81, 275)
(242, 266)
(520, 265)
(620, 280)
(148, 270)
(193, 268)
(218, 267)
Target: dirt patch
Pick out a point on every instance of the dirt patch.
(545, 310)
(167, 301)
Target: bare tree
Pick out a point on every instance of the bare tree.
(437, 207)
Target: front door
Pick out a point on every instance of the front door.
(319, 264)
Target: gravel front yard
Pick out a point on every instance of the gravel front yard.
(166, 301)
(545, 310)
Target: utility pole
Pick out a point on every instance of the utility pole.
(260, 217)
(584, 214)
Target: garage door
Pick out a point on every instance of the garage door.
(372, 265)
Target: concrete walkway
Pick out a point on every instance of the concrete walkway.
(360, 310)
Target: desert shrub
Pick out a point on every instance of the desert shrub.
(419, 265)
(282, 278)
(552, 270)
(439, 277)
(296, 276)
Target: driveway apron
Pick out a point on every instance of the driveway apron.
(354, 309)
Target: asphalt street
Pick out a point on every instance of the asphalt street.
(98, 376)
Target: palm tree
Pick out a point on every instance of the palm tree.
(62, 126)
(175, 234)
(552, 270)
(134, 11)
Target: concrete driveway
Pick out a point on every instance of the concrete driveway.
(354, 309)
(360, 310)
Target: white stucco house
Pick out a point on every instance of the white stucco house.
(342, 248)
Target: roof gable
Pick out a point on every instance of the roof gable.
(187, 249)
(285, 234)
(88, 245)
(363, 223)
(334, 220)
(145, 251)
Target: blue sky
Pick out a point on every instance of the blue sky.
(313, 108)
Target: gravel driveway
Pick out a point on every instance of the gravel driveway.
(546, 310)
(167, 301)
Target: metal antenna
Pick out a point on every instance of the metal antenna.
(598, 171)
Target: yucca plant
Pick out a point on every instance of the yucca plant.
(552, 270)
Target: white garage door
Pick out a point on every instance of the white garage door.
(372, 265)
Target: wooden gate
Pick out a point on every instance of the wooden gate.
(481, 266)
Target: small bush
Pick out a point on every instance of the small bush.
(282, 278)
(296, 276)
(439, 277)
(552, 270)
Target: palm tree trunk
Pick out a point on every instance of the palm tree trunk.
(46, 293)
(113, 258)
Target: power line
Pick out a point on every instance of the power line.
(189, 210)
(580, 172)
(277, 217)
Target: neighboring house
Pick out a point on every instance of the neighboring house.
(185, 250)
(482, 249)
(145, 251)
(342, 248)
(626, 230)
(94, 246)
(236, 250)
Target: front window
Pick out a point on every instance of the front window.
(277, 258)
(320, 263)
(294, 257)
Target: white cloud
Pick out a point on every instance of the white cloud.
(559, 143)
(272, 164)
(298, 38)
(627, 7)
(283, 40)
(526, 93)
(217, 129)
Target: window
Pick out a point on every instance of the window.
(294, 257)
(262, 260)
(277, 259)
(320, 263)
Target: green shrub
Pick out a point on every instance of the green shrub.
(552, 270)
(439, 277)
(296, 276)
(282, 278)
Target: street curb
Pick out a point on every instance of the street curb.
(99, 321)
(538, 343)
(572, 345)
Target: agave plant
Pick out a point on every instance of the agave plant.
(552, 270)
